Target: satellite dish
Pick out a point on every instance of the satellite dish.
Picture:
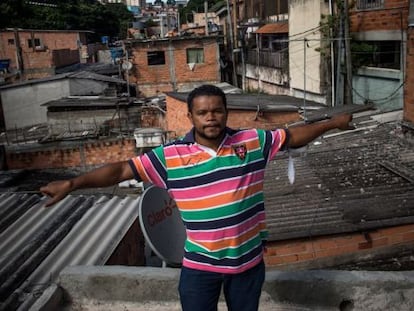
(126, 65)
(161, 225)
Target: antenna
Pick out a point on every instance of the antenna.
(162, 226)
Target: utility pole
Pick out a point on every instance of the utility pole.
(305, 45)
(231, 43)
(339, 96)
(206, 16)
(348, 59)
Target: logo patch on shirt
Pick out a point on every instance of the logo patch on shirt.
(240, 150)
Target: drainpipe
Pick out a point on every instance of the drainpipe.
(20, 64)
(231, 43)
(206, 17)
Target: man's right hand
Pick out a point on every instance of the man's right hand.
(56, 191)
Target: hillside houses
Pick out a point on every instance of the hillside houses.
(36, 53)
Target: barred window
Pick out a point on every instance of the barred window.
(32, 43)
(381, 54)
(369, 4)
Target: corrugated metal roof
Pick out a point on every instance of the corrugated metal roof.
(264, 102)
(88, 101)
(36, 243)
(281, 27)
(68, 75)
(345, 182)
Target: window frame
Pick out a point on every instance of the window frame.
(156, 58)
(200, 59)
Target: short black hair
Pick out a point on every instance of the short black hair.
(206, 90)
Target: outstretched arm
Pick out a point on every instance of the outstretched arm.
(104, 176)
(304, 134)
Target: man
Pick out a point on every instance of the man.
(215, 174)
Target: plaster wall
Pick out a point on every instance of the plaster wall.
(304, 60)
(22, 105)
(84, 87)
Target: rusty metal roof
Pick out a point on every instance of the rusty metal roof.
(273, 28)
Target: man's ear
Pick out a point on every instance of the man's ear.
(190, 117)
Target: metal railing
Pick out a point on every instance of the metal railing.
(369, 4)
(267, 58)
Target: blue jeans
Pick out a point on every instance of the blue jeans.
(200, 290)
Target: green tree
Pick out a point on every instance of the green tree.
(194, 6)
(109, 20)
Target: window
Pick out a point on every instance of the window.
(264, 42)
(156, 58)
(10, 41)
(34, 43)
(382, 54)
(279, 43)
(369, 4)
(195, 56)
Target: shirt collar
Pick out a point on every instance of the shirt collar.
(190, 137)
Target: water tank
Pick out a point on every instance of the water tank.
(148, 137)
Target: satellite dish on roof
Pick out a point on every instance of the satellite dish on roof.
(126, 65)
(161, 225)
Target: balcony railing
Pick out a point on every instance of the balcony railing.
(267, 58)
(369, 4)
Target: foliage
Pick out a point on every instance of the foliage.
(362, 54)
(193, 6)
(109, 20)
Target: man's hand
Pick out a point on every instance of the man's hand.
(56, 190)
(304, 134)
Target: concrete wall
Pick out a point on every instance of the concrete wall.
(305, 15)
(93, 119)
(381, 85)
(84, 87)
(22, 105)
(266, 79)
(127, 288)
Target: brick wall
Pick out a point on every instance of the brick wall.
(300, 251)
(392, 17)
(175, 73)
(179, 124)
(409, 78)
(37, 59)
(79, 155)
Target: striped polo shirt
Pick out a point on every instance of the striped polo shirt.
(219, 195)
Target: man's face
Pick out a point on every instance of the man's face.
(209, 117)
